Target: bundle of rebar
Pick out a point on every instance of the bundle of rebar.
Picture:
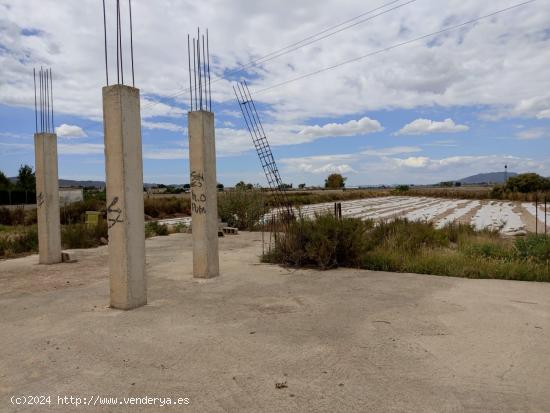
(43, 101)
(119, 49)
(198, 55)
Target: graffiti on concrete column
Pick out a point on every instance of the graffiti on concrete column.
(39, 199)
(198, 201)
(197, 179)
(113, 214)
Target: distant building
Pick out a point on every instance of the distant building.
(157, 190)
(69, 196)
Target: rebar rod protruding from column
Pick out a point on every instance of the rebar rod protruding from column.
(209, 82)
(131, 42)
(105, 38)
(200, 89)
(195, 73)
(51, 99)
(190, 83)
(206, 98)
(35, 108)
(119, 45)
(43, 100)
(199, 71)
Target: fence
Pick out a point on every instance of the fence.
(17, 197)
(544, 209)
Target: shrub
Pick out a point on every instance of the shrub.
(406, 236)
(241, 208)
(325, 242)
(18, 240)
(82, 235)
(534, 247)
(14, 216)
(74, 213)
(169, 206)
(401, 188)
(529, 182)
(403, 246)
(153, 229)
(335, 181)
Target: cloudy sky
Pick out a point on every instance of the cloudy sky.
(463, 101)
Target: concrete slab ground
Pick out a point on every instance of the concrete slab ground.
(342, 341)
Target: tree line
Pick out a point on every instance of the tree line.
(22, 191)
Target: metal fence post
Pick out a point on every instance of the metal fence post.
(536, 214)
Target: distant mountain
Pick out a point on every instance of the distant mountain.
(487, 178)
(65, 183)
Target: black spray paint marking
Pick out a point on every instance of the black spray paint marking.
(196, 179)
(40, 199)
(117, 211)
(197, 201)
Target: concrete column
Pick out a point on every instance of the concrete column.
(204, 194)
(47, 198)
(124, 170)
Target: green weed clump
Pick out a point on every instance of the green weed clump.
(75, 213)
(153, 229)
(17, 216)
(84, 236)
(534, 247)
(242, 208)
(325, 242)
(18, 240)
(416, 247)
(167, 206)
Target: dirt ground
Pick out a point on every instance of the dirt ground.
(261, 338)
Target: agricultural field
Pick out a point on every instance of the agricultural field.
(509, 217)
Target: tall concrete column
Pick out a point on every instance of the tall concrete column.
(47, 198)
(124, 170)
(204, 194)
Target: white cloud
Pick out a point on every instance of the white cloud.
(472, 66)
(151, 108)
(531, 134)
(319, 164)
(449, 143)
(70, 131)
(362, 126)
(80, 149)
(382, 169)
(413, 161)
(172, 127)
(424, 126)
(170, 153)
(469, 164)
(395, 150)
(334, 168)
(12, 148)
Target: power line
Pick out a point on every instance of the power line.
(314, 38)
(301, 43)
(356, 59)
